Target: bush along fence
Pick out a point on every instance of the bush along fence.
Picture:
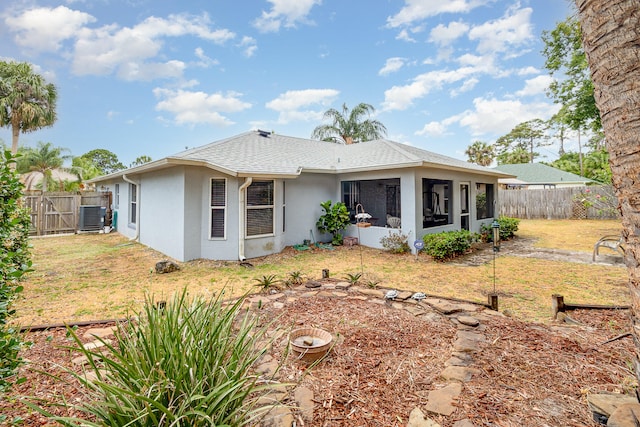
(592, 202)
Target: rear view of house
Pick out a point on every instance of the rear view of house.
(256, 193)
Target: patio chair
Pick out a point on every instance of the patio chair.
(613, 242)
(393, 221)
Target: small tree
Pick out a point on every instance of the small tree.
(14, 262)
(335, 219)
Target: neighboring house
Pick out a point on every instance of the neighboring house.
(536, 176)
(33, 180)
(256, 193)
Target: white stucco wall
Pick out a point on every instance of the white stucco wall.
(174, 215)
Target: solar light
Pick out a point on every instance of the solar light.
(495, 227)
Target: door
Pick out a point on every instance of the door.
(464, 205)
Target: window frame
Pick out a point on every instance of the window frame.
(133, 204)
(489, 191)
(222, 207)
(257, 207)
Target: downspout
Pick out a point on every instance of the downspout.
(137, 184)
(242, 217)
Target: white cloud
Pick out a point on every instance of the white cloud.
(285, 13)
(498, 117)
(132, 53)
(392, 65)
(196, 107)
(432, 129)
(417, 10)
(467, 85)
(527, 71)
(535, 86)
(45, 29)
(203, 60)
(294, 105)
(126, 50)
(512, 30)
(401, 97)
(249, 45)
(445, 35)
(404, 36)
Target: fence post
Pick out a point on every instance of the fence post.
(493, 302)
(557, 304)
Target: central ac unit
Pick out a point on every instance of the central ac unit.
(91, 218)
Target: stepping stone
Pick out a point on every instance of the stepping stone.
(458, 373)
(359, 298)
(278, 305)
(308, 294)
(404, 295)
(312, 284)
(468, 320)
(626, 415)
(304, 398)
(606, 403)
(100, 332)
(96, 344)
(441, 401)
(418, 419)
(339, 294)
(448, 307)
(343, 285)
(372, 292)
(463, 423)
(465, 344)
(459, 359)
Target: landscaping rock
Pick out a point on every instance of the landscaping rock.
(418, 419)
(458, 373)
(304, 398)
(312, 284)
(626, 415)
(607, 403)
(100, 332)
(468, 320)
(441, 401)
(463, 423)
(166, 266)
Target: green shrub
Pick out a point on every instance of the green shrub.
(334, 220)
(190, 364)
(448, 244)
(395, 242)
(508, 228)
(15, 261)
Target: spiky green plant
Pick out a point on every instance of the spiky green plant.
(190, 364)
(295, 278)
(267, 282)
(353, 279)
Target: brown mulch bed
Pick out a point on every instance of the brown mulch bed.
(387, 360)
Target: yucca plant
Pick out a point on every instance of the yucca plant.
(267, 282)
(190, 364)
(354, 278)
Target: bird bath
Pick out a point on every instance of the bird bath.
(310, 344)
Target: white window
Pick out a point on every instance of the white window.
(117, 197)
(218, 203)
(133, 203)
(260, 208)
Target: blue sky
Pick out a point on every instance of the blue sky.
(151, 77)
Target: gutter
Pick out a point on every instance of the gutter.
(137, 184)
(242, 216)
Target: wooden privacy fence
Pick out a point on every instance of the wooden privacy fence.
(56, 213)
(593, 202)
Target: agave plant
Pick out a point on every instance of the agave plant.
(190, 364)
(267, 282)
(353, 278)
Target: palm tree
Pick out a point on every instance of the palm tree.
(611, 33)
(480, 153)
(44, 159)
(27, 101)
(349, 126)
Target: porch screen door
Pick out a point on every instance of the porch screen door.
(464, 206)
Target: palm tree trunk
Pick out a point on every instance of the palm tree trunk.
(611, 37)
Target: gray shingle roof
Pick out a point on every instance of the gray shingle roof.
(538, 173)
(262, 153)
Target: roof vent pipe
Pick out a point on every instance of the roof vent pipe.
(242, 215)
